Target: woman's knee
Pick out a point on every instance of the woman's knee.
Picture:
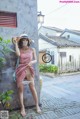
(32, 86)
(20, 88)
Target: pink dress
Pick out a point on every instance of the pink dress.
(21, 70)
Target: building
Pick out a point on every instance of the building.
(72, 35)
(64, 51)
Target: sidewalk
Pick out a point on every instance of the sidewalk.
(60, 99)
(52, 75)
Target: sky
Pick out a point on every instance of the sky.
(60, 14)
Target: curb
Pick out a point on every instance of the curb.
(59, 75)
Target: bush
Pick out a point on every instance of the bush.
(5, 97)
(48, 68)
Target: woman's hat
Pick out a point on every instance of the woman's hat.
(25, 36)
(21, 37)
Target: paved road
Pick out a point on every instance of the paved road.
(67, 87)
(60, 97)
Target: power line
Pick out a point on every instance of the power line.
(56, 9)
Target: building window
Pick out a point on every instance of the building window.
(52, 54)
(70, 58)
(63, 54)
(8, 19)
(52, 62)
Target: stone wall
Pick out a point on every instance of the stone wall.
(26, 23)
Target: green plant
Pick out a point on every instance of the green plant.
(5, 49)
(2, 60)
(4, 52)
(4, 46)
(5, 97)
(48, 68)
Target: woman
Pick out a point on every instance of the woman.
(25, 69)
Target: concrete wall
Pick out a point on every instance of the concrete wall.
(26, 23)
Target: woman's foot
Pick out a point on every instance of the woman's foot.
(23, 113)
(38, 109)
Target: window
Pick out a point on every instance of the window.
(63, 54)
(8, 19)
(70, 58)
(52, 54)
(52, 62)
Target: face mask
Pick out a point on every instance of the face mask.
(25, 43)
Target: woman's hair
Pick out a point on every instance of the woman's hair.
(20, 43)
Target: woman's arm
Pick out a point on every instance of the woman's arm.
(16, 47)
(34, 55)
(35, 58)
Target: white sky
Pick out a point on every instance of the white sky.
(66, 17)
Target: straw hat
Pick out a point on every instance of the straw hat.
(22, 36)
(25, 36)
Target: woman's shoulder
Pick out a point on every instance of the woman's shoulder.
(33, 49)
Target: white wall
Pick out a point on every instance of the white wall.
(44, 45)
(55, 50)
(49, 47)
(75, 53)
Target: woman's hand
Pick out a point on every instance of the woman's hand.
(30, 63)
(15, 40)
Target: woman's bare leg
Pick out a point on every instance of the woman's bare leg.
(32, 88)
(20, 90)
(34, 93)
